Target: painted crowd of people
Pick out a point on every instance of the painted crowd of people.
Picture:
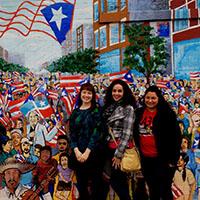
(83, 161)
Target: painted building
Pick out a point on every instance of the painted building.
(109, 20)
(3, 53)
(185, 36)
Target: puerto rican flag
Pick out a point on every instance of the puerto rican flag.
(69, 82)
(123, 75)
(162, 84)
(195, 75)
(67, 100)
(176, 191)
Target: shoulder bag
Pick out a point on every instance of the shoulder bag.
(130, 161)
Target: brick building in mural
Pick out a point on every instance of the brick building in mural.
(109, 19)
(3, 53)
(185, 36)
(176, 20)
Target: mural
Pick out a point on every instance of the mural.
(35, 106)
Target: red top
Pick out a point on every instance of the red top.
(147, 139)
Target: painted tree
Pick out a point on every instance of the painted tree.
(11, 67)
(147, 52)
(78, 62)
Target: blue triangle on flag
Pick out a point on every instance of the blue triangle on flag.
(128, 76)
(62, 26)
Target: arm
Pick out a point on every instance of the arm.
(95, 137)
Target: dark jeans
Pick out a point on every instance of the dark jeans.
(89, 179)
(118, 180)
(158, 176)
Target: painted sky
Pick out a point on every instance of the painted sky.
(37, 48)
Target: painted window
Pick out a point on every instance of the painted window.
(114, 33)
(122, 33)
(112, 5)
(181, 19)
(198, 3)
(122, 4)
(103, 38)
(96, 12)
(109, 62)
(102, 5)
(79, 35)
(96, 36)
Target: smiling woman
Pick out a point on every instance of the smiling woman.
(118, 116)
(156, 128)
(84, 139)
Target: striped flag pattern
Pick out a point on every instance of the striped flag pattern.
(194, 75)
(69, 82)
(176, 191)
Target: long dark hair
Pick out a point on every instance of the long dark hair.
(89, 87)
(162, 103)
(127, 99)
(186, 159)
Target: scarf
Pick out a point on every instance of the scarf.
(110, 109)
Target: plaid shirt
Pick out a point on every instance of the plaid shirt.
(121, 121)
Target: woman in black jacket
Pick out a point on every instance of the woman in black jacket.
(158, 137)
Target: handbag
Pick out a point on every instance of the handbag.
(130, 161)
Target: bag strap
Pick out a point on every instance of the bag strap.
(112, 135)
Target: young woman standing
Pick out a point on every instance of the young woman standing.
(84, 139)
(158, 136)
(118, 118)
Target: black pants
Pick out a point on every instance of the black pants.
(118, 180)
(89, 179)
(158, 177)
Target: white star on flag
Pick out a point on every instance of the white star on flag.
(42, 103)
(58, 16)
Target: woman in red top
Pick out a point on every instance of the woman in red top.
(158, 137)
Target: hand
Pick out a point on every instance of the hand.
(116, 162)
(85, 155)
(77, 153)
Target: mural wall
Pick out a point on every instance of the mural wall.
(35, 106)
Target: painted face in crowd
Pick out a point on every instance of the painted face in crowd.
(117, 92)
(33, 118)
(151, 100)
(64, 162)
(8, 146)
(16, 139)
(12, 177)
(196, 120)
(45, 155)
(62, 145)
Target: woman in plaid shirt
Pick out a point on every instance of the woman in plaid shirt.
(118, 116)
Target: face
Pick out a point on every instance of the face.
(196, 120)
(19, 124)
(62, 145)
(12, 177)
(16, 138)
(184, 144)
(33, 118)
(117, 92)
(37, 152)
(25, 147)
(181, 162)
(8, 146)
(166, 97)
(45, 155)
(151, 100)
(64, 161)
(86, 96)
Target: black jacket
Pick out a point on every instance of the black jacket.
(167, 134)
